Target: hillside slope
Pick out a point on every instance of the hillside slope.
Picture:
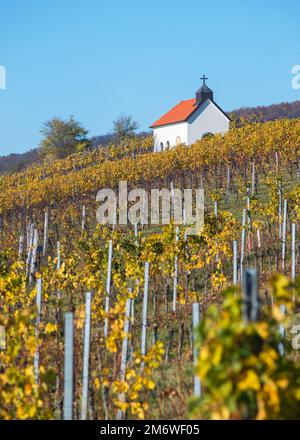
(46, 235)
(284, 110)
(18, 162)
(62, 181)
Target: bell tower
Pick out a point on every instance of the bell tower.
(204, 93)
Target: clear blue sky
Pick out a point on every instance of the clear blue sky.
(97, 59)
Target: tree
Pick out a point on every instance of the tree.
(62, 138)
(123, 127)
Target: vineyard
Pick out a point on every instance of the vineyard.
(143, 321)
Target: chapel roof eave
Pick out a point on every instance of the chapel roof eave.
(186, 118)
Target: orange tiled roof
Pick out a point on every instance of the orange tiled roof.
(179, 113)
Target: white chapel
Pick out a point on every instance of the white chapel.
(190, 120)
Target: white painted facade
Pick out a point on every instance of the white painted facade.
(174, 134)
(208, 118)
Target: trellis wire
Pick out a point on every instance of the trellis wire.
(38, 320)
(68, 367)
(196, 321)
(145, 311)
(86, 355)
(124, 351)
(108, 283)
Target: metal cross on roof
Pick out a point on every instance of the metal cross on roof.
(204, 78)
